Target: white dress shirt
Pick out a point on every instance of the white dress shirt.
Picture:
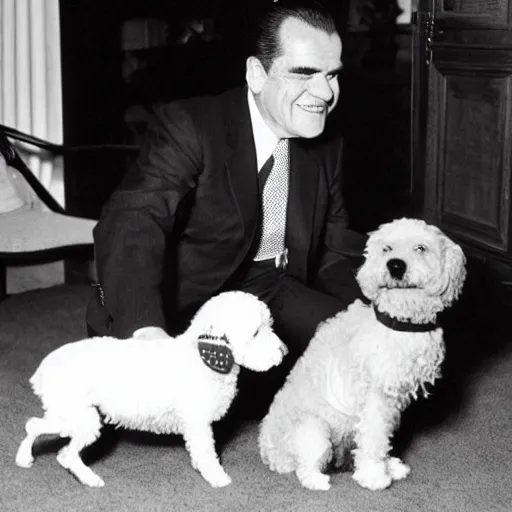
(265, 140)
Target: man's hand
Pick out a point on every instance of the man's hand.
(150, 333)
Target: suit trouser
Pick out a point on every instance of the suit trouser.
(297, 310)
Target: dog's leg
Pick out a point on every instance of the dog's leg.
(34, 428)
(86, 431)
(397, 469)
(201, 447)
(373, 433)
(343, 446)
(313, 450)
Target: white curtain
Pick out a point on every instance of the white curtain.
(31, 101)
(30, 80)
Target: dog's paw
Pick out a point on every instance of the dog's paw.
(397, 469)
(372, 476)
(92, 480)
(220, 479)
(316, 482)
(24, 459)
(76, 467)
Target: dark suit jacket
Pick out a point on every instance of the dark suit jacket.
(185, 217)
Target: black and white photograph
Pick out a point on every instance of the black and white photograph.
(255, 255)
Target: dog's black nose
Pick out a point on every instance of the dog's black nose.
(396, 268)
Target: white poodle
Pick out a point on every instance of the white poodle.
(162, 385)
(364, 365)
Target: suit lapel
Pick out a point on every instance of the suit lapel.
(243, 176)
(304, 171)
(241, 161)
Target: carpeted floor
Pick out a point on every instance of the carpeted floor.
(458, 442)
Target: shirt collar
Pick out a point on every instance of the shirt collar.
(265, 140)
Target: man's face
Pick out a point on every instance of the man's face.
(301, 87)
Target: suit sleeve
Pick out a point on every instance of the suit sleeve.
(343, 247)
(138, 221)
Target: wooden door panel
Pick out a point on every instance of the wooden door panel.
(468, 165)
(472, 184)
(474, 166)
(462, 120)
(495, 10)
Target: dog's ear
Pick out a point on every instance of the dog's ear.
(454, 269)
(365, 276)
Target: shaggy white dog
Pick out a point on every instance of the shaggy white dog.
(365, 365)
(162, 385)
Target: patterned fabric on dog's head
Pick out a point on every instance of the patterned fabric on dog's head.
(216, 353)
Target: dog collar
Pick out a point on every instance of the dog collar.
(403, 326)
(216, 356)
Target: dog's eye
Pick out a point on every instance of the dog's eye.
(421, 248)
(387, 248)
(256, 333)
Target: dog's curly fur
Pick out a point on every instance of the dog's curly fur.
(348, 389)
(152, 384)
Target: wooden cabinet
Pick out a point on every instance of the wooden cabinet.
(462, 122)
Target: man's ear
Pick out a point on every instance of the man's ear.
(255, 75)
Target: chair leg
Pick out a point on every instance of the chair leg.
(3, 281)
(77, 271)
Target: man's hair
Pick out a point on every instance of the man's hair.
(267, 43)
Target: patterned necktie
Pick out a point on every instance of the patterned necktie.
(274, 199)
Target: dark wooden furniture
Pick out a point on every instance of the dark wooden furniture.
(462, 124)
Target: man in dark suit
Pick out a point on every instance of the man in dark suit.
(194, 216)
